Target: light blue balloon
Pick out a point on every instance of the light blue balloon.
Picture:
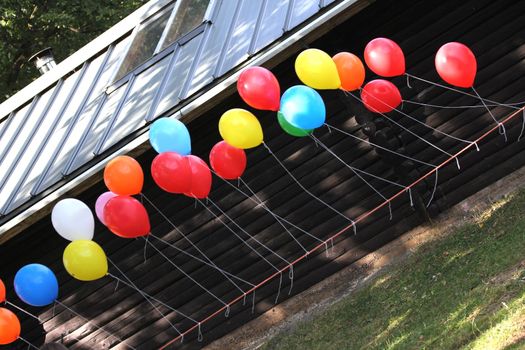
(303, 107)
(170, 135)
(36, 285)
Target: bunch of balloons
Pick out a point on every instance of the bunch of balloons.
(299, 110)
(174, 169)
(123, 214)
(83, 259)
(9, 326)
(454, 62)
(35, 285)
(9, 322)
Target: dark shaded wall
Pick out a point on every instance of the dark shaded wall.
(496, 33)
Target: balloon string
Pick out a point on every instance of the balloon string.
(307, 191)
(210, 261)
(418, 121)
(509, 105)
(22, 310)
(522, 125)
(404, 128)
(246, 233)
(93, 324)
(410, 195)
(501, 127)
(29, 345)
(378, 146)
(290, 276)
(357, 170)
(144, 296)
(145, 249)
(279, 290)
(148, 296)
(202, 261)
(187, 275)
(253, 301)
(435, 187)
(263, 205)
(408, 82)
(460, 107)
(239, 237)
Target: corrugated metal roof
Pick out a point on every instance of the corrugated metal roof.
(74, 116)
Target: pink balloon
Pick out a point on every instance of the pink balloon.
(101, 203)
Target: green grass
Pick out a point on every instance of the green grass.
(464, 291)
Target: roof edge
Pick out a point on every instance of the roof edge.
(307, 32)
(71, 63)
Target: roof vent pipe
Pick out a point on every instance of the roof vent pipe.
(44, 60)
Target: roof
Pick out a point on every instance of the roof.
(66, 123)
(495, 32)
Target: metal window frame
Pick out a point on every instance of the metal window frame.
(207, 17)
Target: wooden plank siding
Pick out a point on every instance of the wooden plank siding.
(494, 30)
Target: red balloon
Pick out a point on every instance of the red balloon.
(9, 327)
(200, 178)
(126, 217)
(384, 57)
(259, 88)
(380, 96)
(171, 172)
(227, 161)
(2, 291)
(456, 64)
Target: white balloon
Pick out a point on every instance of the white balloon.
(73, 219)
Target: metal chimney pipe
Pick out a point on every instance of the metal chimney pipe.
(43, 60)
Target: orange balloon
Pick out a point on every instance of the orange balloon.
(2, 291)
(123, 176)
(9, 327)
(351, 70)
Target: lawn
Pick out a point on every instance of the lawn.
(464, 291)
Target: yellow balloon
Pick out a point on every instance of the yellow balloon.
(240, 129)
(317, 70)
(85, 260)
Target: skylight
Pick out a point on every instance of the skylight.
(161, 30)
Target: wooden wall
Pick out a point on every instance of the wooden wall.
(496, 33)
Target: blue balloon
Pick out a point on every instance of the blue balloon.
(36, 285)
(303, 107)
(170, 135)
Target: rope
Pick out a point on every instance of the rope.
(265, 207)
(409, 131)
(245, 232)
(306, 190)
(420, 122)
(24, 311)
(356, 172)
(509, 105)
(501, 127)
(346, 228)
(331, 127)
(89, 322)
(262, 205)
(29, 345)
(149, 296)
(191, 243)
(461, 106)
(202, 261)
(185, 274)
(144, 296)
(239, 237)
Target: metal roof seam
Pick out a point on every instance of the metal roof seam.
(36, 189)
(45, 140)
